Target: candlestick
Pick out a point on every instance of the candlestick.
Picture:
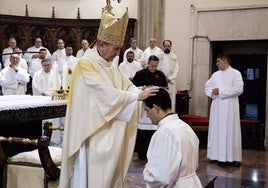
(56, 84)
(65, 76)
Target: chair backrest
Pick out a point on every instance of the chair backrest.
(51, 170)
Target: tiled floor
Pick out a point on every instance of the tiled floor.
(253, 172)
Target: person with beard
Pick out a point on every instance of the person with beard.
(130, 66)
(146, 78)
(168, 64)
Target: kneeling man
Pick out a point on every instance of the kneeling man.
(173, 150)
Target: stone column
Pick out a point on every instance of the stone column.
(151, 22)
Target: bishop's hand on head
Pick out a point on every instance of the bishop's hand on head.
(149, 91)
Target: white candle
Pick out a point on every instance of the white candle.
(65, 76)
(56, 84)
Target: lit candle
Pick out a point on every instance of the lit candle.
(65, 76)
(56, 84)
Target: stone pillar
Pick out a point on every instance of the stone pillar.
(151, 22)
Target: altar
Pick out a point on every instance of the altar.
(22, 115)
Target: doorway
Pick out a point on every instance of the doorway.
(250, 58)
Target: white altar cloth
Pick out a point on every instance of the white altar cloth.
(17, 102)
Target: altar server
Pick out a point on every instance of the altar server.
(224, 133)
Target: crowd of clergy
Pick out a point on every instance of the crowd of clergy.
(38, 71)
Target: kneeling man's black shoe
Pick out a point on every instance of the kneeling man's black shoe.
(236, 164)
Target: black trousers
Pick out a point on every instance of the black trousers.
(142, 142)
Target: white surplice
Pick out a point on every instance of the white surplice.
(147, 53)
(5, 51)
(23, 64)
(34, 66)
(172, 156)
(59, 56)
(169, 65)
(130, 69)
(12, 82)
(71, 62)
(42, 83)
(224, 134)
(80, 53)
(101, 125)
(137, 54)
(28, 56)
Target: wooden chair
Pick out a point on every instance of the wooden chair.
(37, 168)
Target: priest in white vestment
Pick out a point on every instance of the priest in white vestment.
(70, 61)
(173, 150)
(35, 64)
(151, 50)
(169, 65)
(85, 45)
(13, 78)
(23, 63)
(59, 55)
(42, 83)
(12, 45)
(101, 118)
(134, 48)
(224, 134)
(28, 56)
(130, 66)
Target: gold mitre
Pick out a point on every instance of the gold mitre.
(113, 30)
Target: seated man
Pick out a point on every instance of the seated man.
(42, 83)
(173, 150)
(129, 67)
(13, 78)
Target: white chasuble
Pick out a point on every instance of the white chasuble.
(94, 136)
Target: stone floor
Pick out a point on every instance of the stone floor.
(253, 172)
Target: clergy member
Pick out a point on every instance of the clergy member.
(168, 64)
(173, 151)
(13, 78)
(101, 117)
(129, 67)
(42, 83)
(224, 133)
